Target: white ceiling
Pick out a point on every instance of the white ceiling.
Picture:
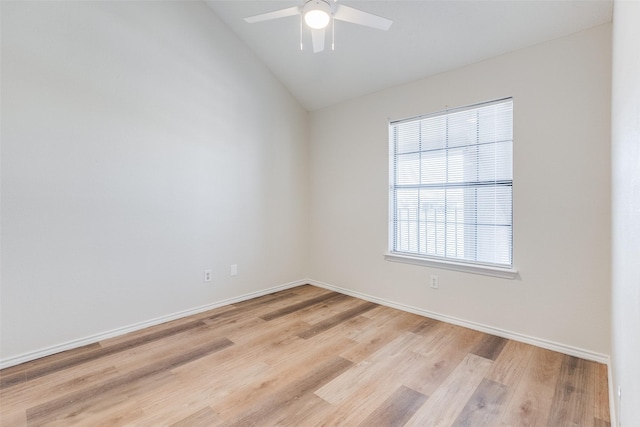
(426, 38)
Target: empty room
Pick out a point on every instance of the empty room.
(320, 213)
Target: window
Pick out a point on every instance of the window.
(451, 186)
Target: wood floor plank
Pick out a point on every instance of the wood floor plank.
(426, 326)
(357, 392)
(336, 320)
(237, 330)
(354, 408)
(174, 345)
(351, 382)
(483, 407)
(67, 402)
(290, 367)
(301, 305)
(258, 347)
(597, 422)
(362, 327)
(450, 337)
(266, 300)
(272, 346)
(397, 409)
(330, 308)
(43, 389)
(320, 359)
(261, 412)
(175, 401)
(13, 417)
(444, 347)
(259, 306)
(448, 400)
(374, 333)
(434, 371)
(122, 413)
(198, 317)
(533, 396)
(490, 347)
(111, 409)
(19, 374)
(572, 402)
(40, 390)
(205, 417)
(601, 394)
(49, 359)
(97, 353)
(302, 412)
(510, 365)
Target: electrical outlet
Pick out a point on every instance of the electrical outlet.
(207, 275)
(434, 284)
(234, 269)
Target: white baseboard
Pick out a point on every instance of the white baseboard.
(539, 342)
(69, 345)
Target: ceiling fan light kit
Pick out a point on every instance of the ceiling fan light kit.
(318, 14)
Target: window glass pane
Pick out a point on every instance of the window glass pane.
(433, 133)
(432, 203)
(408, 137)
(494, 161)
(434, 169)
(455, 167)
(406, 233)
(455, 223)
(495, 123)
(462, 128)
(494, 244)
(494, 205)
(408, 169)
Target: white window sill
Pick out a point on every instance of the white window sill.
(505, 273)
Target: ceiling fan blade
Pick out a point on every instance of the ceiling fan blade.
(355, 16)
(318, 40)
(282, 13)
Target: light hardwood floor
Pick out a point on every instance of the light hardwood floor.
(306, 357)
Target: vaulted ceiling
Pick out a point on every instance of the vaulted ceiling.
(427, 37)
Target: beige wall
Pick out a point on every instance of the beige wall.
(625, 350)
(142, 143)
(561, 92)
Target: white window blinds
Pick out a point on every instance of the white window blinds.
(451, 185)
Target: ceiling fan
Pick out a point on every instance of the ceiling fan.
(318, 14)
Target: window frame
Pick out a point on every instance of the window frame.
(443, 262)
